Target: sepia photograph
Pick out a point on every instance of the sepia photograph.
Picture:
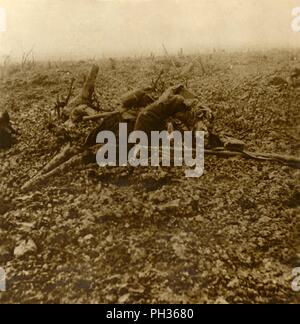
(150, 154)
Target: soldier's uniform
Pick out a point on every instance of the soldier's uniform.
(152, 118)
(176, 106)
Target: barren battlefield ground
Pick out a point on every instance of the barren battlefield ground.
(109, 235)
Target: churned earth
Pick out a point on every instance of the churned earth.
(151, 235)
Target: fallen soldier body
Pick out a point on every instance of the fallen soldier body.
(177, 109)
(153, 117)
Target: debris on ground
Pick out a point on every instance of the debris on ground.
(232, 144)
(292, 80)
(24, 248)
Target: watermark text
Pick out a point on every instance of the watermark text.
(161, 149)
(2, 280)
(296, 280)
(296, 19)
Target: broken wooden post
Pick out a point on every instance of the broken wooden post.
(89, 86)
(84, 99)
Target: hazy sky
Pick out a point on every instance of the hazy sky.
(88, 28)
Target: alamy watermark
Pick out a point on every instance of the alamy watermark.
(2, 280)
(296, 280)
(296, 19)
(161, 149)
